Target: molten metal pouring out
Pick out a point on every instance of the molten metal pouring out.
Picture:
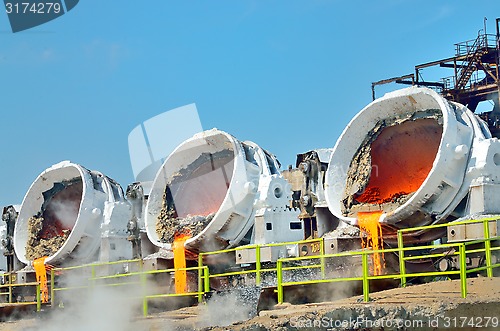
(180, 262)
(41, 278)
(369, 224)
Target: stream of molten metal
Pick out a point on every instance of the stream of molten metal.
(369, 224)
(180, 276)
(41, 278)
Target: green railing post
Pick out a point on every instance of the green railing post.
(10, 287)
(402, 268)
(279, 276)
(487, 248)
(145, 306)
(52, 290)
(366, 285)
(201, 275)
(257, 265)
(322, 259)
(38, 298)
(144, 294)
(206, 287)
(92, 274)
(463, 271)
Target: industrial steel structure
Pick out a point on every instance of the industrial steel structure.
(416, 169)
(475, 76)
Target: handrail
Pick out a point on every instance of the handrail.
(258, 267)
(461, 247)
(365, 277)
(465, 76)
(97, 264)
(464, 47)
(465, 72)
(434, 226)
(37, 301)
(203, 274)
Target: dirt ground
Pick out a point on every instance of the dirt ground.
(432, 306)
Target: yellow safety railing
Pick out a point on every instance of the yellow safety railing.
(258, 261)
(486, 234)
(460, 248)
(203, 286)
(202, 274)
(364, 277)
(92, 267)
(283, 265)
(11, 285)
(94, 281)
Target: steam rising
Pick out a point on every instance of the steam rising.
(194, 194)
(49, 228)
(114, 308)
(224, 309)
(108, 309)
(66, 212)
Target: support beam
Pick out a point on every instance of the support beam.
(393, 79)
(405, 82)
(448, 65)
(435, 63)
(431, 84)
(488, 71)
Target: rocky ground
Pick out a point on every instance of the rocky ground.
(433, 306)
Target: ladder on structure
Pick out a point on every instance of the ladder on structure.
(469, 64)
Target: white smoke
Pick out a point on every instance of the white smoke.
(97, 307)
(227, 308)
(65, 211)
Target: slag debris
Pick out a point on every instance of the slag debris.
(167, 226)
(38, 247)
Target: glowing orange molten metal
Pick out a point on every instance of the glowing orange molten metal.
(41, 278)
(180, 262)
(401, 157)
(368, 223)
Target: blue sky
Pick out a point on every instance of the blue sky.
(288, 75)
